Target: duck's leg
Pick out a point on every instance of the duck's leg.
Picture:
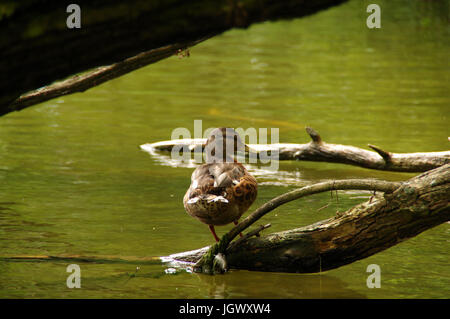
(213, 231)
(236, 222)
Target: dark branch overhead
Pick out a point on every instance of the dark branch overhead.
(37, 48)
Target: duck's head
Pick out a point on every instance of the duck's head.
(222, 144)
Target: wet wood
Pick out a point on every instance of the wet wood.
(366, 229)
(320, 151)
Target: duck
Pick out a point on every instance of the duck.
(222, 189)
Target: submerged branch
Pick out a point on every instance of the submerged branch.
(85, 259)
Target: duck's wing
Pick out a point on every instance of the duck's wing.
(209, 181)
(220, 193)
(219, 179)
(202, 182)
(236, 184)
(227, 174)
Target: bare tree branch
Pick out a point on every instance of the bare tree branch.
(83, 82)
(319, 151)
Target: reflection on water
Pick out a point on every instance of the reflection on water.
(74, 181)
(245, 284)
(273, 177)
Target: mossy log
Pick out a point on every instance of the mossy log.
(37, 48)
(319, 151)
(366, 229)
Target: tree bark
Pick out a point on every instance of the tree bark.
(366, 229)
(37, 48)
(319, 151)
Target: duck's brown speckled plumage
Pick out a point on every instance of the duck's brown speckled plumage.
(220, 191)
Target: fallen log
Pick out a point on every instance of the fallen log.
(366, 229)
(319, 151)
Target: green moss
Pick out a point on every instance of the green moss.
(208, 263)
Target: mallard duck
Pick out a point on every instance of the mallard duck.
(222, 189)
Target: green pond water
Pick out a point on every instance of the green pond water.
(73, 180)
